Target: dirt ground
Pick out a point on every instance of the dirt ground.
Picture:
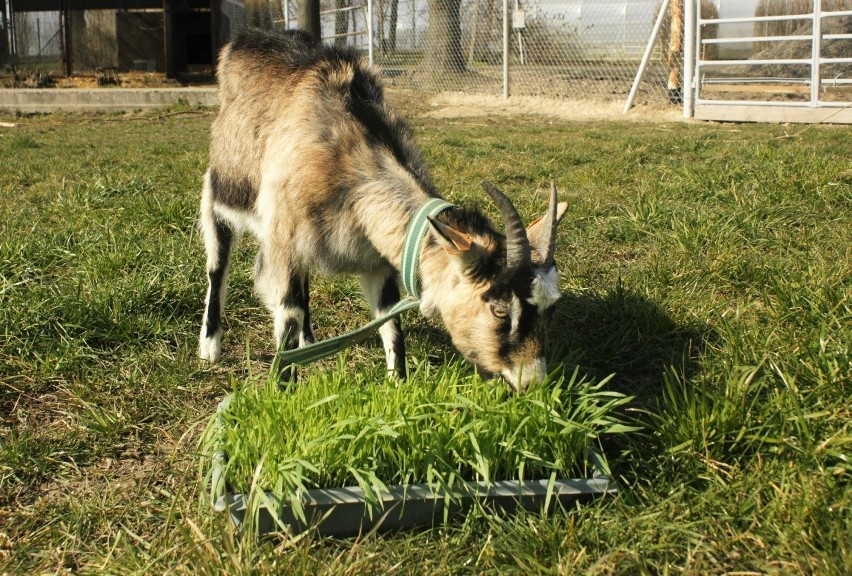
(465, 105)
(105, 79)
(456, 105)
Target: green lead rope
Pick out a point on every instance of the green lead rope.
(412, 247)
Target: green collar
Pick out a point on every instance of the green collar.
(412, 246)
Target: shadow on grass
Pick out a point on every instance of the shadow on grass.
(619, 332)
(624, 333)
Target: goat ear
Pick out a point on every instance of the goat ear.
(535, 227)
(453, 241)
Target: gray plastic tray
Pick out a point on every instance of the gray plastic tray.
(344, 512)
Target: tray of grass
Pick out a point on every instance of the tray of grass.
(346, 452)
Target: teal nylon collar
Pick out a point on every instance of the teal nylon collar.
(415, 235)
(412, 246)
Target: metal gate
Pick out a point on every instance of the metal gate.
(790, 68)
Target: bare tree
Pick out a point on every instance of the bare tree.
(309, 18)
(392, 19)
(387, 13)
(444, 50)
(671, 42)
(784, 8)
(341, 22)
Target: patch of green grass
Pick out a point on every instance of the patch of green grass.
(442, 426)
(706, 266)
(22, 141)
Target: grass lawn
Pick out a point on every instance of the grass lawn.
(708, 267)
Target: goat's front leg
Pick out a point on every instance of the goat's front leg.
(292, 318)
(381, 290)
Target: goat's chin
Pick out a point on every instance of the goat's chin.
(483, 372)
(505, 375)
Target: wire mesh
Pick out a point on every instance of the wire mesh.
(30, 40)
(556, 48)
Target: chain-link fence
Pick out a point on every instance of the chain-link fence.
(554, 48)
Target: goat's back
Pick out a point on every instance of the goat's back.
(266, 66)
(287, 95)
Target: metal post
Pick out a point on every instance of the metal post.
(168, 38)
(520, 34)
(309, 18)
(370, 31)
(471, 54)
(815, 53)
(65, 15)
(689, 51)
(38, 38)
(646, 56)
(10, 29)
(506, 49)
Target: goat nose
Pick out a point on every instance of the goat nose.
(526, 374)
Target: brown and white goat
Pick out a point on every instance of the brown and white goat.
(306, 155)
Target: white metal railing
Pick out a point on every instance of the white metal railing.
(815, 61)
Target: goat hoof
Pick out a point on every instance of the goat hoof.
(210, 349)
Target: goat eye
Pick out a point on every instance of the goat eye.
(499, 310)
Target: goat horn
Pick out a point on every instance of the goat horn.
(546, 245)
(517, 243)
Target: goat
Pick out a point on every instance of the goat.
(305, 154)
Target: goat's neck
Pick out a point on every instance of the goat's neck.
(386, 213)
(386, 222)
(439, 276)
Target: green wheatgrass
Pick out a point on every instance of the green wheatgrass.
(345, 427)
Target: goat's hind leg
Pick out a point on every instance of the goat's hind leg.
(218, 241)
(381, 290)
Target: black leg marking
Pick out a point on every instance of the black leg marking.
(224, 238)
(289, 341)
(295, 295)
(295, 299)
(307, 328)
(399, 350)
(388, 298)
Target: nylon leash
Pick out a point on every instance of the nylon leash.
(412, 247)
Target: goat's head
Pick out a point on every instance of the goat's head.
(502, 290)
